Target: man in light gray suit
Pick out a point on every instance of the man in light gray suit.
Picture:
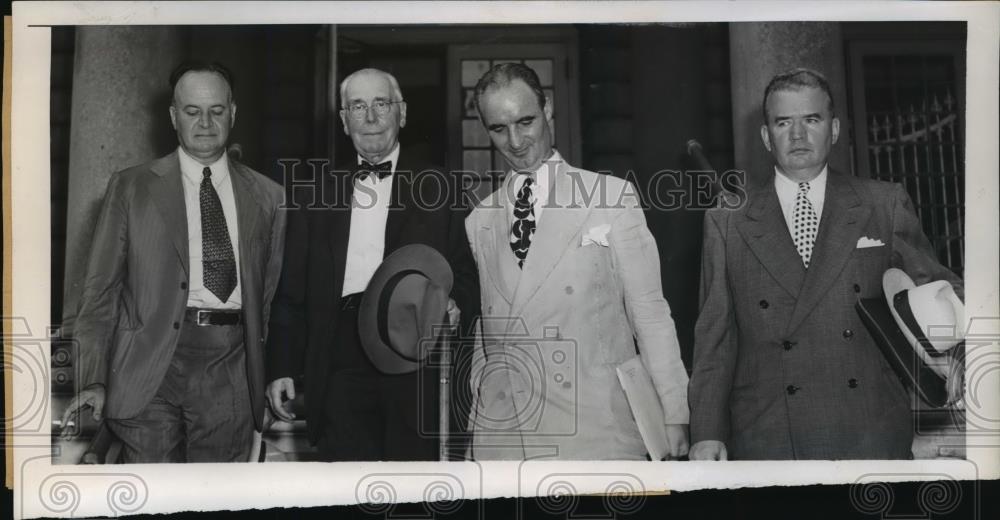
(185, 259)
(783, 366)
(570, 284)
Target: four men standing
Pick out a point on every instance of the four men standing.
(188, 248)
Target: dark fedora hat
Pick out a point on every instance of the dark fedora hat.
(404, 308)
(916, 327)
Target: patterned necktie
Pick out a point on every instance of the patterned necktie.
(217, 260)
(380, 170)
(805, 224)
(524, 222)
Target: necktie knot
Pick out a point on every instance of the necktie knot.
(803, 187)
(207, 172)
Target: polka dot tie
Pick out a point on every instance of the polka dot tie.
(805, 224)
(524, 222)
(217, 260)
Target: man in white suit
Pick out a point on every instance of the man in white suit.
(570, 281)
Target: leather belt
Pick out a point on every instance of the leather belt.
(206, 317)
(351, 301)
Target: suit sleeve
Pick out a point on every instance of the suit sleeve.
(911, 250)
(286, 340)
(715, 347)
(99, 303)
(637, 266)
(466, 287)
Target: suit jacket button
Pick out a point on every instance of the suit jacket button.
(848, 333)
(852, 383)
(857, 288)
(791, 389)
(787, 345)
(763, 304)
(177, 325)
(184, 285)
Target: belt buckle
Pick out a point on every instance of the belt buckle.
(207, 318)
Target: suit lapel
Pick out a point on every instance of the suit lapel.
(493, 234)
(338, 222)
(840, 226)
(553, 237)
(249, 209)
(249, 206)
(167, 194)
(401, 197)
(766, 234)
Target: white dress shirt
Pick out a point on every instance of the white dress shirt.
(369, 214)
(788, 191)
(191, 174)
(540, 190)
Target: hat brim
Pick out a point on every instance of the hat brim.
(899, 353)
(895, 281)
(414, 257)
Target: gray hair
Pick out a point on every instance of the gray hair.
(797, 79)
(396, 92)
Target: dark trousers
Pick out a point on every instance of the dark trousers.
(201, 412)
(370, 416)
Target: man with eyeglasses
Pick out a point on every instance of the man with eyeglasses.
(386, 198)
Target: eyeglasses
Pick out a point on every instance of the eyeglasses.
(359, 109)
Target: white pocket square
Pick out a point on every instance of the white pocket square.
(597, 235)
(864, 242)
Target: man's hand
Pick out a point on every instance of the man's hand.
(92, 396)
(709, 450)
(677, 440)
(453, 315)
(279, 394)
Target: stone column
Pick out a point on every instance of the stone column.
(119, 119)
(758, 51)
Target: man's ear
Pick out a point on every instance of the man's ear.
(173, 117)
(548, 109)
(836, 130)
(402, 114)
(765, 137)
(232, 111)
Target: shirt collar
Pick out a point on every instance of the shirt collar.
(393, 156)
(541, 174)
(783, 183)
(191, 169)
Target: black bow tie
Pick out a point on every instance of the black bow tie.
(380, 170)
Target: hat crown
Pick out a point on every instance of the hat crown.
(403, 307)
(939, 312)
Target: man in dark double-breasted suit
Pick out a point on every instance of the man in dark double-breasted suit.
(783, 366)
(382, 199)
